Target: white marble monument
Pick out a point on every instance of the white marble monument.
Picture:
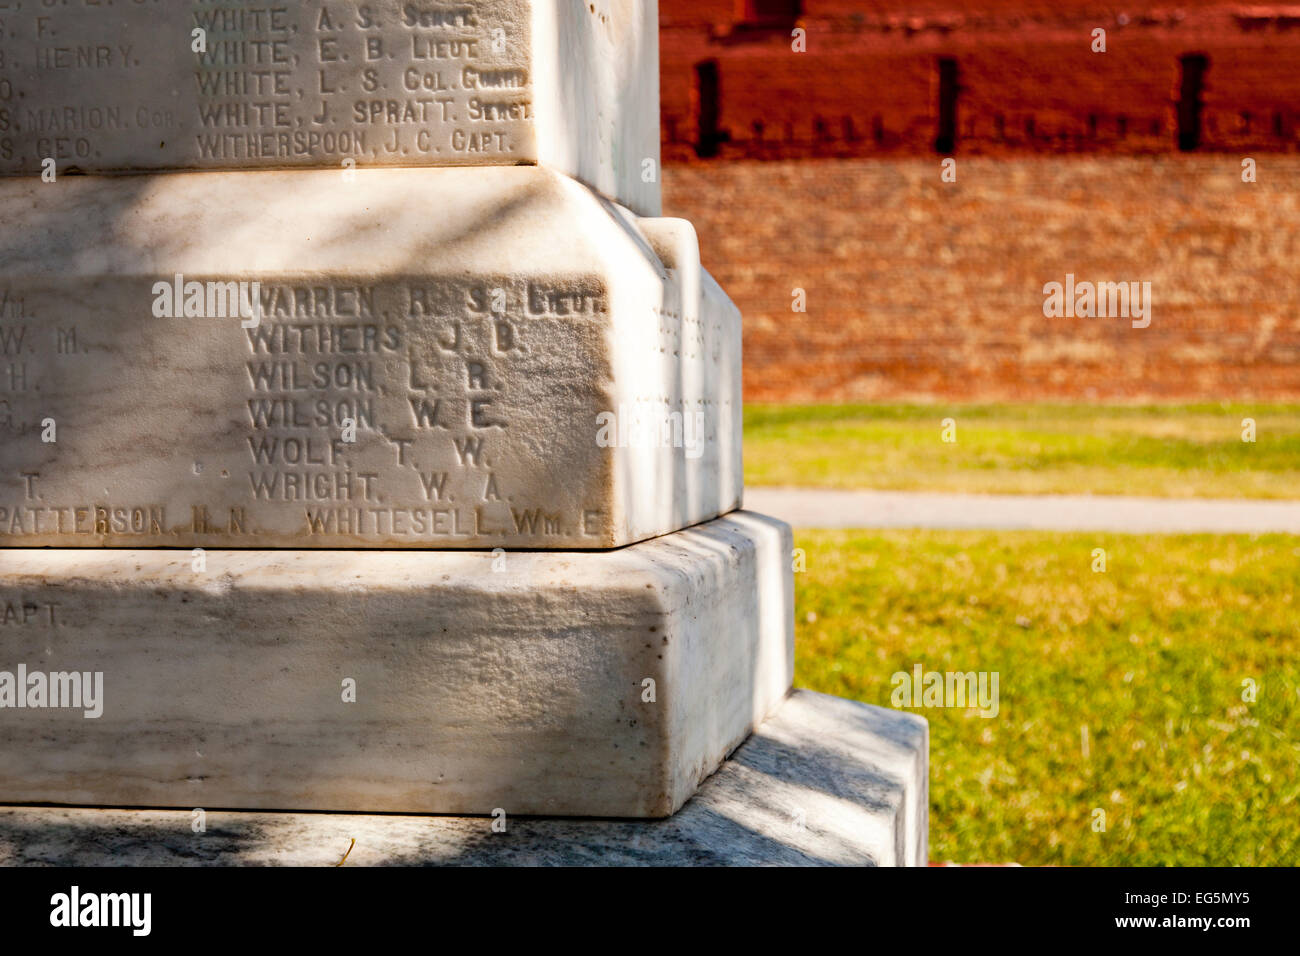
(368, 443)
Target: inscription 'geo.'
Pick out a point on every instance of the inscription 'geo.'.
(196, 84)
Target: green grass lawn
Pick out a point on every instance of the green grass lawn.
(1175, 451)
(1150, 656)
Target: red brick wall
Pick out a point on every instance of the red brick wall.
(917, 288)
(1028, 81)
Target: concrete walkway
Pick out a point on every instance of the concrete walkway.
(828, 508)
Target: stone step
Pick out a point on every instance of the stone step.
(823, 781)
(565, 683)
(446, 358)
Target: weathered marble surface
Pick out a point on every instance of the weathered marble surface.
(516, 680)
(475, 324)
(823, 781)
(104, 87)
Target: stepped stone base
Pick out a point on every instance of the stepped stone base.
(823, 781)
(545, 682)
(445, 358)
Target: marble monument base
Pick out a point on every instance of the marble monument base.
(822, 781)
(544, 682)
(429, 358)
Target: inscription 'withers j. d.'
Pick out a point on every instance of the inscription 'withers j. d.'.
(342, 83)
